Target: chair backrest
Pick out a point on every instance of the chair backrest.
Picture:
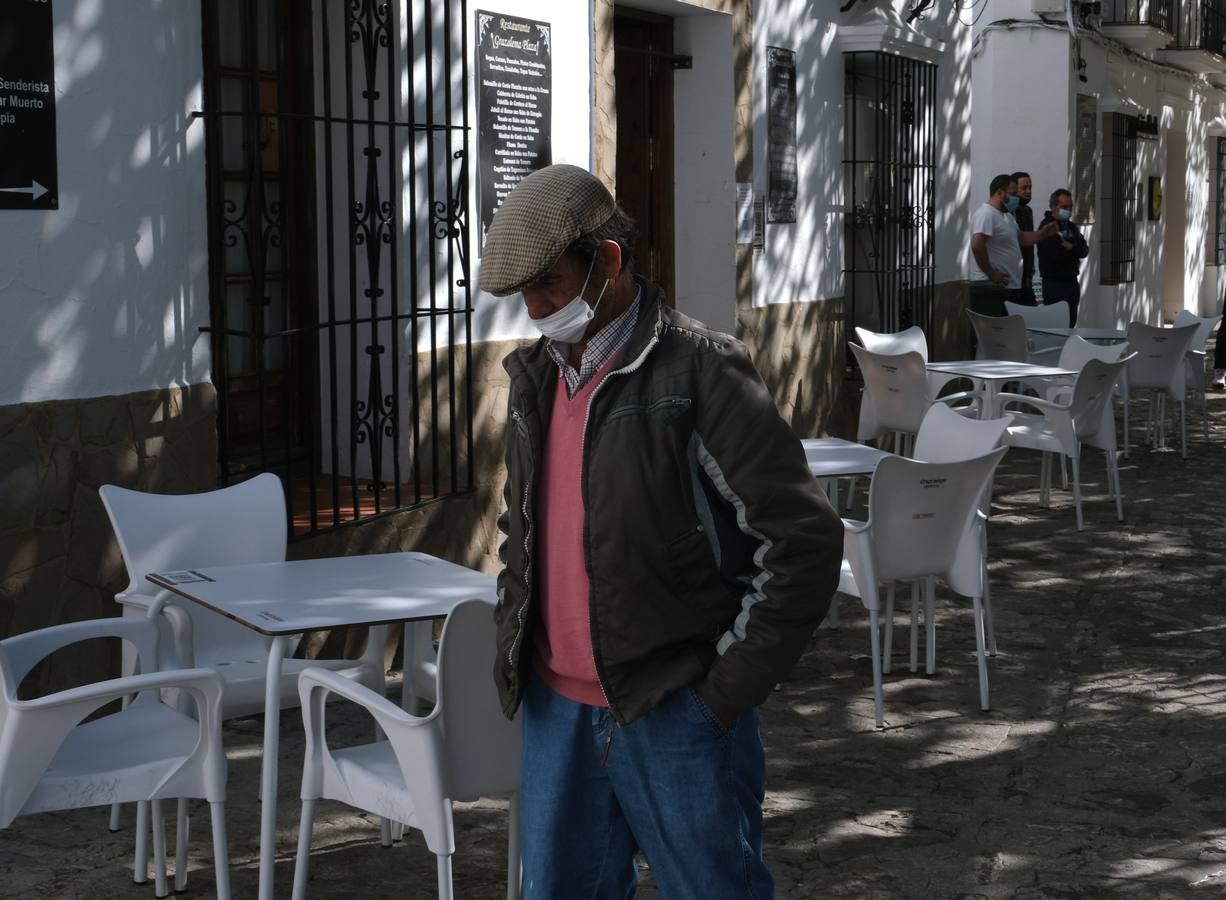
(919, 513)
(483, 745)
(945, 436)
(999, 337)
(1049, 315)
(1204, 327)
(1158, 356)
(1078, 351)
(1092, 393)
(895, 392)
(243, 523)
(910, 340)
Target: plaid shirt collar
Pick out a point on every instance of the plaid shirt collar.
(599, 349)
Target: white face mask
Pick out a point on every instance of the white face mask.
(569, 323)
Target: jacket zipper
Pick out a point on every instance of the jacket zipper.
(522, 427)
(587, 416)
(669, 402)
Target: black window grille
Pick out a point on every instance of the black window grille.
(336, 146)
(1215, 213)
(1156, 13)
(889, 170)
(1121, 191)
(1201, 26)
(1085, 160)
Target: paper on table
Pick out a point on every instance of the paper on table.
(185, 577)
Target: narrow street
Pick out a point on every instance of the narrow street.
(1098, 772)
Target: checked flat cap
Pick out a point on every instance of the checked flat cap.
(537, 221)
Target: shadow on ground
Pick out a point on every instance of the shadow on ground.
(1097, 773)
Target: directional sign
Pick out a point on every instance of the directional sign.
(29, 178)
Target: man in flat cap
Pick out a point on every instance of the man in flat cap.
(667, 555)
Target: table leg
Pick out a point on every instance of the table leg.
(989, 399)
(268, 774)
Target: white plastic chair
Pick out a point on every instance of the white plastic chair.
(1197, 383)
(50, 759)
(909, 340)
(1159, 366)
(921, 525)
(464, 749)
(945, 437)
(1073, 356)
(896, 396)
(1064, 427)
(999, 337)
(1043, 348)
(244, 523)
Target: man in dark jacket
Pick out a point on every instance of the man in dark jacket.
(1061, 254)
(1025, 222)
(667, 555)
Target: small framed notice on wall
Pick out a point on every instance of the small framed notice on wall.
(781, 135)
(1153, 199)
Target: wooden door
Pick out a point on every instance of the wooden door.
(643, 47)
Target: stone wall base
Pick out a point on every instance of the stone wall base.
(58, 558)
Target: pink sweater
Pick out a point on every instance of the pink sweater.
(562, 641)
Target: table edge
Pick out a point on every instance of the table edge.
(284, 632)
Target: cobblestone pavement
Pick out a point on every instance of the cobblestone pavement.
(1099, 771)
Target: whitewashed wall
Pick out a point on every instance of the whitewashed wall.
(804, 261)
(106, 295)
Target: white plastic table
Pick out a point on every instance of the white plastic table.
(283, 599)
(835, 457)
(988, 373)
(1096, 335)
(831, 458)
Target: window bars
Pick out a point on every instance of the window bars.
(1155, 13)
(1121, 191)
(1215, 212)
(1202, 26)
(889, 171)
(336, 140)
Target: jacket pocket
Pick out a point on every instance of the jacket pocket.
(670, 406)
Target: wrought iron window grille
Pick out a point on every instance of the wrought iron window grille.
(1121, 199)
(1215, 231)
(336, 141)
(889, 172)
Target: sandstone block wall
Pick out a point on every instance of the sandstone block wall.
(58, 558)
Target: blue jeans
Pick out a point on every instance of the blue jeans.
(674, 784)
(1068, 291)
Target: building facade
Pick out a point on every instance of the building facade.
(1121, 102)
(267, 235)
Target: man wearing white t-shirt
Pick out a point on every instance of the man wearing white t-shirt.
(996, 244)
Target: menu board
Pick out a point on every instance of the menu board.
(28, 173)
(781, 134)
(515, 72)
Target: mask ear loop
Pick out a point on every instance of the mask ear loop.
(603, 287)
